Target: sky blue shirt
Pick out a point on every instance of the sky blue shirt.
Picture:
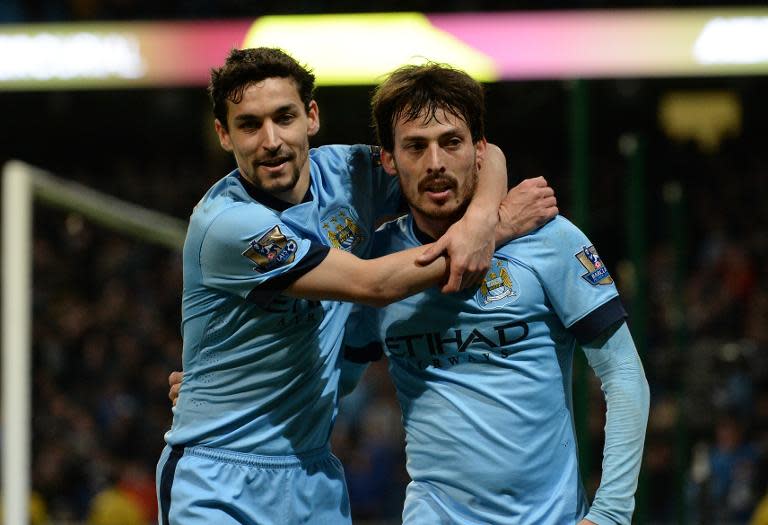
(261, 368)
(484, 377)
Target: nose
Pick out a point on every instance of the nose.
(270, 139)
(435, 162)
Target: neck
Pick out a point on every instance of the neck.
(296, 194)
(434, 227)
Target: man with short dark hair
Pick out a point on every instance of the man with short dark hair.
(484, 376)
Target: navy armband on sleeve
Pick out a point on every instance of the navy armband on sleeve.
(266, 291)
(363, 354)
(594, 323)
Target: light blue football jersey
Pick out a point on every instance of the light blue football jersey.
(484, 378)
(260, 368)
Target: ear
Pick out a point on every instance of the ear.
(223, 134)
(480, 149)
(313, 115)
(388, 162)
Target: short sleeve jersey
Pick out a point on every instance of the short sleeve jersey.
(484, 376)
(261, 368)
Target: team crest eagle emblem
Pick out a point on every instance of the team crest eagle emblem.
(342, 230)
(271, 251)
(498, 287)
(597, 273)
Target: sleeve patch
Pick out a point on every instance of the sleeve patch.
(271, 251)
(597, 273)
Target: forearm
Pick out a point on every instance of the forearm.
(491, 188)
(376, 282)
(616, 363)
(398, 275)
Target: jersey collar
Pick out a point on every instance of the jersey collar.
(422, 237)
(270, 200)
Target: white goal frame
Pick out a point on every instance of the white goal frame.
(22, 185)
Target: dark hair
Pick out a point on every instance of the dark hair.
(244, 67)
(410, 91)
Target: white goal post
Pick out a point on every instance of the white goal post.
(22, 184)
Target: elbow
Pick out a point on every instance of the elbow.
(493, 149)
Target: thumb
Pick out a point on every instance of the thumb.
(431, 253)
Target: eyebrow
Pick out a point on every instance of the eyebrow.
(247, 117)
(447, 133)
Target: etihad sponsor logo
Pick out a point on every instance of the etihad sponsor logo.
(457, 346)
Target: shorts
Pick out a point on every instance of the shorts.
(203, 486)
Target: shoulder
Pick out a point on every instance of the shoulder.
(555, 238)
(339, 155)
(559, 227)
(231, 219)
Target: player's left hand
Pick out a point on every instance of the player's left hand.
(530, 204)
(469, 244)
(586, 522)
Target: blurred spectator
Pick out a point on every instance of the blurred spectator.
(724, 475)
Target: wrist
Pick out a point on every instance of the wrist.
(482, 217)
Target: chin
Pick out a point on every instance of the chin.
(450, 210)
(442, 212)
(283, 184)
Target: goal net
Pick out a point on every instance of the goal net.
(24, 186)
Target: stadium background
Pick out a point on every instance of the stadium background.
(106, 307)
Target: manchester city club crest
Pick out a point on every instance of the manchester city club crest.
(597, 273)
(342, 229)
(498, 287)
(271, 251)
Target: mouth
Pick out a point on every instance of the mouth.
(438, 189)
(273, 164)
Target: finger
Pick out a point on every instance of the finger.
(454, 282)
(431, 253)
(550, 202)
(173, 393)
(175, 377)
(539, 181)
(472, 281)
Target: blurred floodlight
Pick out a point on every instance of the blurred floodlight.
(50, 56)
(361, 48)
(738, 40)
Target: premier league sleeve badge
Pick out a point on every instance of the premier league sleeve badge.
(271, 251)
(597, 273)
